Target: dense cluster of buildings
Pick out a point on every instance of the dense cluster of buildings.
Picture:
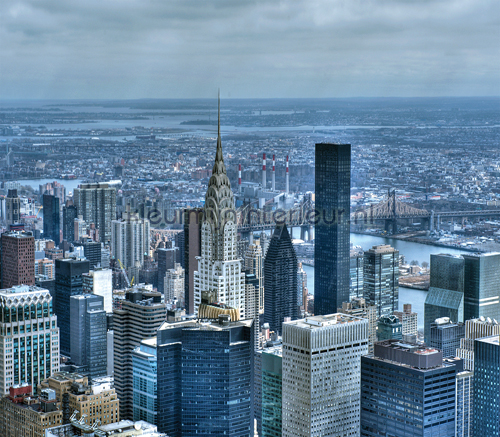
(197, 331)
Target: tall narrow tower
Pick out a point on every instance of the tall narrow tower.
(219, 277)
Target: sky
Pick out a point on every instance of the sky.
(117, 49)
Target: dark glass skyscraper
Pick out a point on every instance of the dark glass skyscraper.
(487, 387)
(193, 218)
(69, 215)
(51, 218)
(280, 279)
(166, 261)
(69, 282)
(332, 227)
(205, 378)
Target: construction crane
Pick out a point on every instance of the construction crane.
(39, 209)
(124, 272)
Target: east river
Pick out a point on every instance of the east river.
(411, 251)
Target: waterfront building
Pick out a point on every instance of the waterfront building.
(332, 232)
(447, 272)
(140, 316)
(487, 386)
(193, 219)
(464, 404)
(390, 405)
(189, 400)
(280, 278)
(22, 414)
(100, 282)
(51, 218)
(482, 285)
(446, 335)
(356, 274)
(29, 336)
(18, 259)
(167, 257)
(219, 277)
(254, 263)
(322, 375)
(69, 282)
(358, 307)
(381, 279)
(475, 329)
(88, 334)
(144, 365)
(70, 213)
(130, 240)
(389, 328)
(272, 378)
(442, 303)
(96, 203)
(408, 319)
(93, 401)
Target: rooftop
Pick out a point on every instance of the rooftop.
(323, 321)
(19, 289)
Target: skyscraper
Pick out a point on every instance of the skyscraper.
(254, 264)
(88, 332)
(381, 279)
(100, 282)
(446, 335)
(447, 272)
(280, 278)
(482, 285)
(51, 218)
(12, 207)
(69, 282)
(92, 251)
(205, 378)
(322, 375)
(166, 261)
(390, 405)
(29, 336)
(145, 378)
(272, 376)
(70, 213)
(442, 303)
(219, 277)
(193, 219)
(97, 204)
(18, 259)
(487, 386)
(130, 240)
(331, 251)
(356, 274)
(140, 316)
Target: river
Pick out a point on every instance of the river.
(411, 251)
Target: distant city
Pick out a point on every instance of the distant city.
(273, 267)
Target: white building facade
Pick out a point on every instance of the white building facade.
(130, 240)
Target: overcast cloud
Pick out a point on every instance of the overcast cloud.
(249, 48)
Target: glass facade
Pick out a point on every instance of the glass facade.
(51, 218)
(463, 410)
(447, 272)
(446, 336)
(356, 276)
(145, 402)
(332, 227)
(487, 387)
(442, 303)
(271, 393)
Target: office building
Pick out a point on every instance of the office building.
(475, 329)
(96, 203)
(167, 257)
(144, 365)
(356, 274)
(29, 336)
(447, 272)
(332, 232)
(487, 386)
(446, 336)
(90, 401)
(51, 218)
(322, 375)
(254, 263)
(390, 405)
(173, 285)
(381, 279)
(88, 334)
(482, 285)
(464, 404)
(92, 251)
(272, 378)
(123, 428)
(139, 317)
(280, 279)
(70, 213)
(302, 290)
(358, 307)
(45, 267)
(180, 243)
(389, 328)
(69, 282)
(18, 259)
(22, 414)
(189, 401)
(193, 219)
(252, 300)
(219, 277)
(130, 240)
(100, 282)
(442, 303)
(408, 319)
(12, 207)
